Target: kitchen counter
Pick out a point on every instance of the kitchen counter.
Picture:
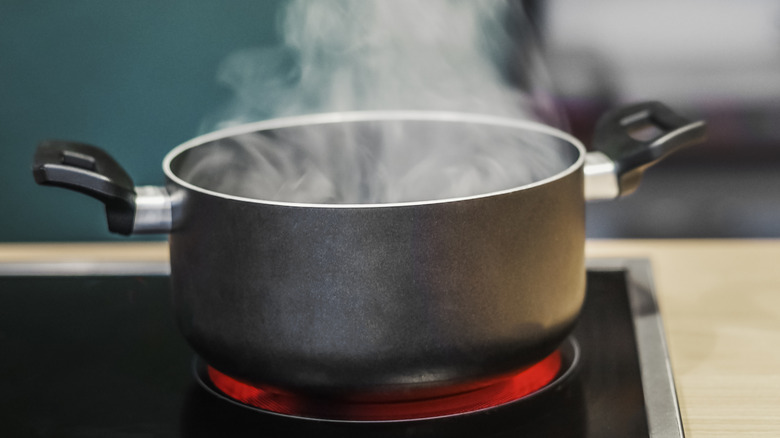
(720, 300)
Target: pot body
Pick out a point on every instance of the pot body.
(346, 300)
(287, 276)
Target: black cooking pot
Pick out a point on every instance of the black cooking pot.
(353, 300)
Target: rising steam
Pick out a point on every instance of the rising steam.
(357, 55)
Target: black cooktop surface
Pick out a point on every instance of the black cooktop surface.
(100, 356)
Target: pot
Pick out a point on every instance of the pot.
(374, 299)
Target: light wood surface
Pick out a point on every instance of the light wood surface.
(720, 300)
(721, 306)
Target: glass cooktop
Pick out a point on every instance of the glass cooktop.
(93, 351)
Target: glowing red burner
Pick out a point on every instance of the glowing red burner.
(494, 393)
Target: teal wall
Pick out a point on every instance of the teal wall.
(134, 77)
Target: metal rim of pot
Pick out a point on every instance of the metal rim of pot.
(368, 116)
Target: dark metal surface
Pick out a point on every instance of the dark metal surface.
(101, 356)
(378, 298)
(356, 299)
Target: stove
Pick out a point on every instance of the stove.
(91, 350)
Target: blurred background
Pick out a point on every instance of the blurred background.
(138, 78)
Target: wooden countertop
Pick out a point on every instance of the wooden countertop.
(720, 300)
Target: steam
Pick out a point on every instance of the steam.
(357, 55)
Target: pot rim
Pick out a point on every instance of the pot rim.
(363, 116)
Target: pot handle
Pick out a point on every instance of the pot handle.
(90, 170)
(629, 140)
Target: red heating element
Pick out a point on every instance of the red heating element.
(494, 393)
